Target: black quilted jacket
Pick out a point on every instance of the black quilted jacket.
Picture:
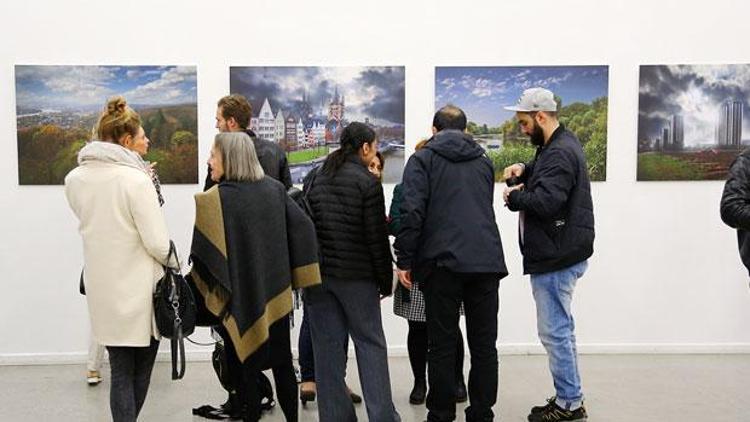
(349, 214)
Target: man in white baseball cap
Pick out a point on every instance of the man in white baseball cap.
(556, 230)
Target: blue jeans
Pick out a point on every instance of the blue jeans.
(336, 310)
(553, 294)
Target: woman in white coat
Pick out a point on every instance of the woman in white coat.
(125, 244)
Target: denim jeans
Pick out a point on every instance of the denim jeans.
(306, 357)
(131, 375)
(553, 294)
(338, 309)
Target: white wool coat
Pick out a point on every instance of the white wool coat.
(125, 242)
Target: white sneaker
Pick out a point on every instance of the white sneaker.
(93, 377)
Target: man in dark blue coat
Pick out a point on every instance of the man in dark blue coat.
(449, 242)
(556, 234)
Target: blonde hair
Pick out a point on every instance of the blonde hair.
(238, 156)
(117, 121)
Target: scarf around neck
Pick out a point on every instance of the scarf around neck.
(109, 152)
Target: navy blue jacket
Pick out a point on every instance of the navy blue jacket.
(447, 218)
(558, 221)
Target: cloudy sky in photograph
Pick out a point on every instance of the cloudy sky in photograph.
(86, 87)
(482, 92)
(374, 92)
(695, 91)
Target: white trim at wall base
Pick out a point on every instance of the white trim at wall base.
(79, 358)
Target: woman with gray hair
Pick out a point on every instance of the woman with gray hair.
(251, 245)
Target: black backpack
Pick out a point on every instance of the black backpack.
(300, 197)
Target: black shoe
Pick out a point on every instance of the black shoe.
(267, 403)
(540, 409)
(356, 398)
(306, 396)
(419, 391)
(554, 413)
(461, 395)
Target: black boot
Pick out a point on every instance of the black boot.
(419, 392)
(461, 394)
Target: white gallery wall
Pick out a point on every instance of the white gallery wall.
(665, 276)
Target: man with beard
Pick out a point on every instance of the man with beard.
(233, 114)
(556, 228)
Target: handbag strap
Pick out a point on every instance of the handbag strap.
(314, 172)
(173, 252)
(177, 342)
(177, 346)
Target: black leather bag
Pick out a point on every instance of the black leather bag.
(203, 317)
(174, 311)
(300, 196)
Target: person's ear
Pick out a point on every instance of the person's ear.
(231, 123)
(434, 130)
(541, 118)
(126, 140)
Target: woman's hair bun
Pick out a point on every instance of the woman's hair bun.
(116, 105)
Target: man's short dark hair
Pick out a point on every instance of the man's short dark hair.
(552, 114)
(238, 107)
(449, 117)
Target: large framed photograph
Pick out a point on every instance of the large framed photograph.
(57, 107)
(482, 92)
(691, 120)
(304, 108)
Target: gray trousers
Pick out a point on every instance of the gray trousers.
(131, 374)
(338, 309)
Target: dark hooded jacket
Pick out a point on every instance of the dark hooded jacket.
(447, 218)
(558, 219)
(271, 158)
(735, 203)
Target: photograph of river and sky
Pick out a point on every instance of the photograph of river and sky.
(483, 92)
(304, 109)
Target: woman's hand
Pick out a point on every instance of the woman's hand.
(404, 277)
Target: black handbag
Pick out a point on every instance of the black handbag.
(174, 311)
(203, 317)
(300, 197)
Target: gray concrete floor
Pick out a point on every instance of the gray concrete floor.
(680, 388)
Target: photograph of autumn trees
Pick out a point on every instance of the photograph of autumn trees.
(482, 92)
(57, 107)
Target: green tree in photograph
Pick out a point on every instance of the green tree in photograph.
(587, 121)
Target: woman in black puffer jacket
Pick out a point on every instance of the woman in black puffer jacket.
(348, 209)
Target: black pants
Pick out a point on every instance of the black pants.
(283, 374)
(444, 291)
(131, 375)
(416, 341)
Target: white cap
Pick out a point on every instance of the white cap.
(535, 99)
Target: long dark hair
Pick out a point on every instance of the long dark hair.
(352, 138)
